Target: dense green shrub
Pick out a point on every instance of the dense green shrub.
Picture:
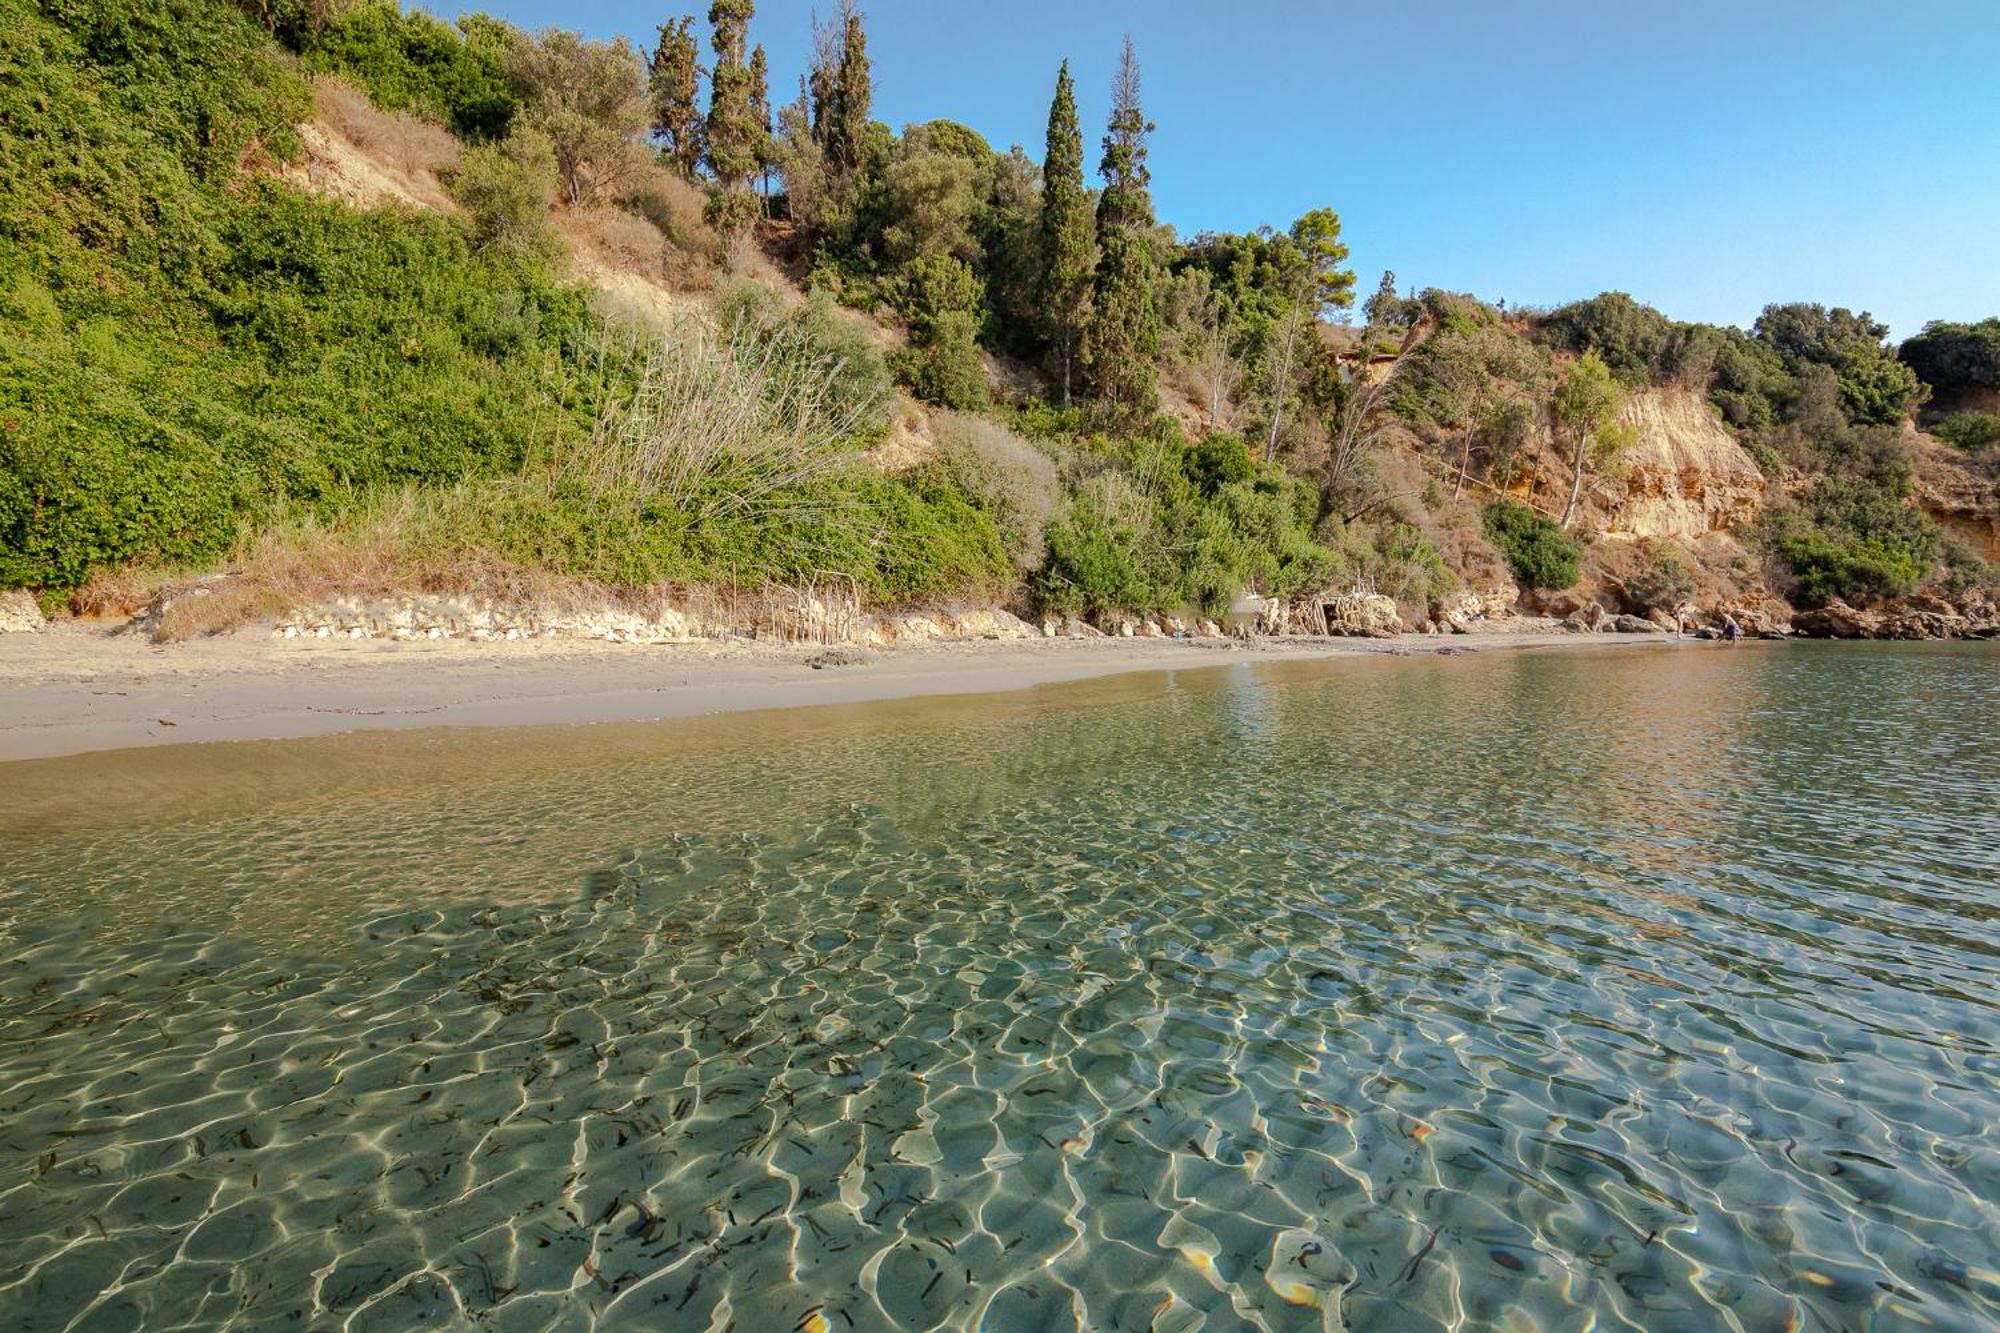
(1631, 338)
(1854, 539)
(944, 302)
(1953, 358)
(180, 349)
(1138, 531)
(1970, 431)
(1217, 461)
(411, 61)
(505, 188)
(1536, 549)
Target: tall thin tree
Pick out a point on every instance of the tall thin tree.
(732, 123)
(673, 85)
(1068, 234)
(1121, 349)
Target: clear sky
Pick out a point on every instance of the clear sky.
(1707, 156)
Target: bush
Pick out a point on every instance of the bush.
(1853, 539)
(1953, 358)
(182, 350)
(1539, 553)
(1970, 431)
(1009, 478)
(504, 189)
(944, 302)
(1664, 582)
(1219, 461)
(1633, 339)
(415, 62)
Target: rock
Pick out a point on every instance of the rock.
(840, 657)
(1362, 614)
(1150, 629)
(1661, 620)
(1125, 629)
(1051, 629)
(1634, 625)
(1081, 629)
(18, 612)
(1209, 629)
(1838, 620)
(1590, 618)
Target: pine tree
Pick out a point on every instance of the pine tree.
(732, 139)
(1122, 344)
(1068, 234)
(674, 87)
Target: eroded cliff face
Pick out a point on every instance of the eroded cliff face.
(1683, 477)
(1960, 494)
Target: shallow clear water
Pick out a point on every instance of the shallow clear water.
(1653, 990)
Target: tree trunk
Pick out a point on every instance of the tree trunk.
(1281, 387)
(1576, 478)
(1464, 462)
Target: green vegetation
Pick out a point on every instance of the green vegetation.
(1853, 540)
(1956, 358)
(194, 356)
(413, 62)
(1970, 431)
(1536, 548)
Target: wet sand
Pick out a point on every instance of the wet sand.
(77, 687)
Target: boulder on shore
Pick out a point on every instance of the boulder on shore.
(18, 612)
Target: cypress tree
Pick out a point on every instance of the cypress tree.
(847, 132)
(1068, 234)
(1122, 343)
(732, 122)
(760, 116)
(673, 85)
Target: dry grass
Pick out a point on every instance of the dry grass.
(623, 242)
(676, 209)
(412, 152)
(1009, 476)
(724, 425)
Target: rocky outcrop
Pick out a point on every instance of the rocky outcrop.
(1463, 611)
(1683, 475)
(1919, 616)
(1963, 497)
(18, 612)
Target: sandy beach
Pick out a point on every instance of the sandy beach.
(77, 687)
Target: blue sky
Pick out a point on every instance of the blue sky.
(1706, 156)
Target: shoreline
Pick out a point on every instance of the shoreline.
(76, 688)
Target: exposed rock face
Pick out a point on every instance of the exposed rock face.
(1458, 612)
(1963, 498)
(1634, 625)
(18, 612)
(1919, 616)
(1684, 476)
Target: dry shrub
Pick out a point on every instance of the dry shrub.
(418, 150)
(677, 208)
(727, 423)
(622, 241)
(1460, 538)
(1009, 477)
